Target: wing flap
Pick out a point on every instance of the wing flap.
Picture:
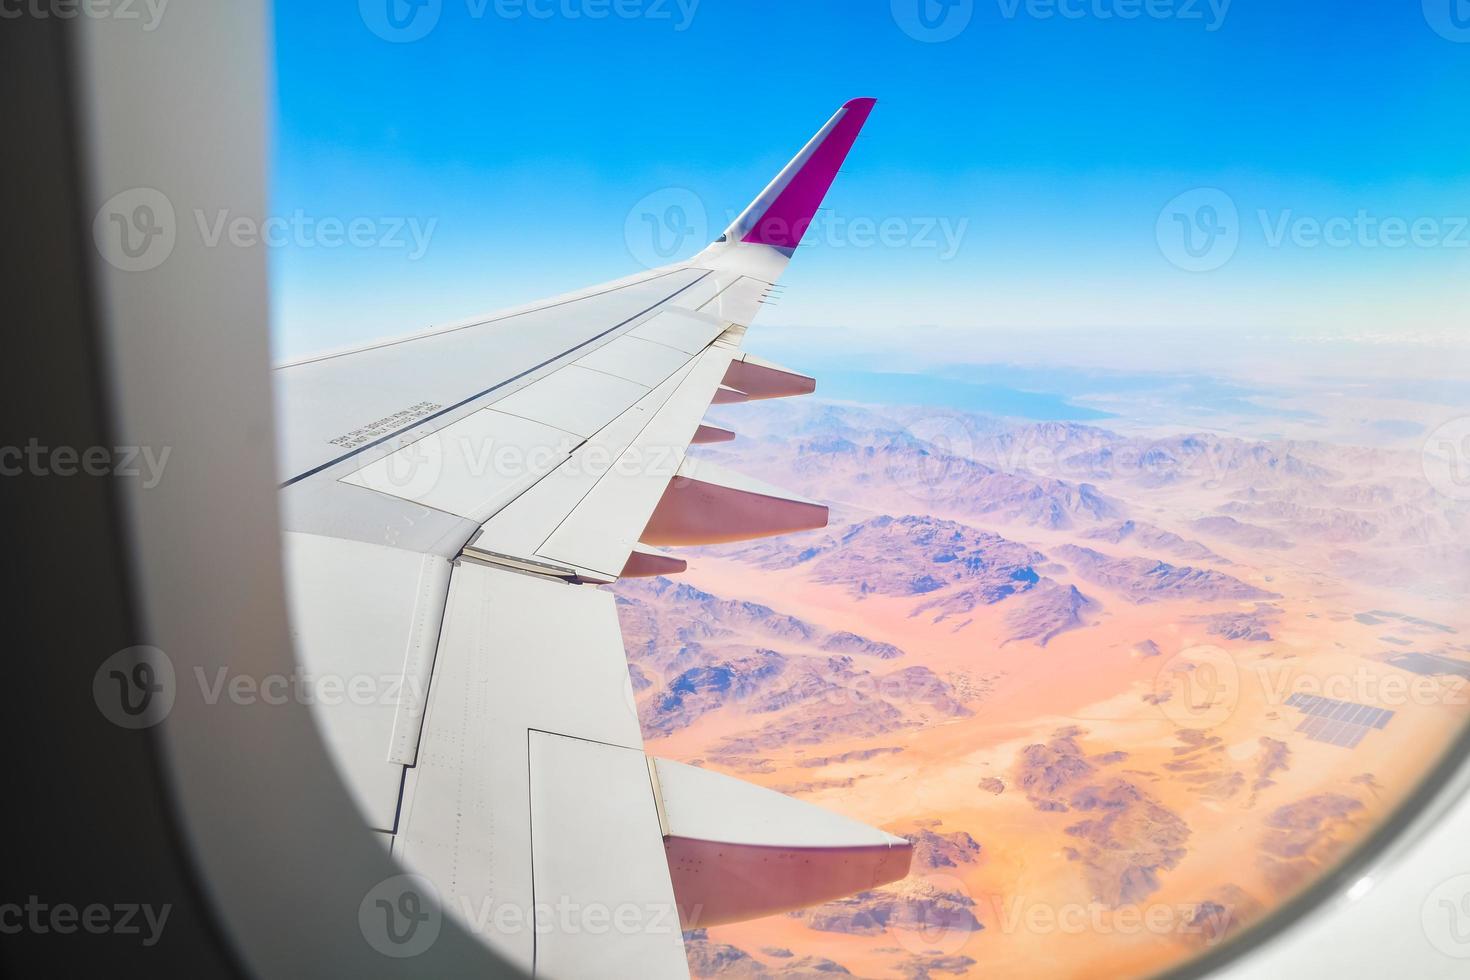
(472, 467)
(688, 331)
(575, 398)
(365, 619)
(603, 529)
(517, 654)
(636, 359)
(599, 867)
(524, 526)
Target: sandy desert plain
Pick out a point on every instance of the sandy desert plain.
(1080, 666)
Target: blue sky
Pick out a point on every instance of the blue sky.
(520, 135)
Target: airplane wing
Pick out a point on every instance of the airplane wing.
(451, 501)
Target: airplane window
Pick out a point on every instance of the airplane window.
(1113, 575)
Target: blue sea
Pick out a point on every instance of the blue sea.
(985, 398)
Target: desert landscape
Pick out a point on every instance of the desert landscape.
(1125, 689)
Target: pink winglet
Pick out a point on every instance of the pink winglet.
(790, 214)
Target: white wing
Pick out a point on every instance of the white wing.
(450, 501)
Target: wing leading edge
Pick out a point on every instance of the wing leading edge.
(449, 499)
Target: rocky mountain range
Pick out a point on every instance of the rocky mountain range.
(981, 652)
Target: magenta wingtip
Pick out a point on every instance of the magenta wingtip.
(785, 219)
